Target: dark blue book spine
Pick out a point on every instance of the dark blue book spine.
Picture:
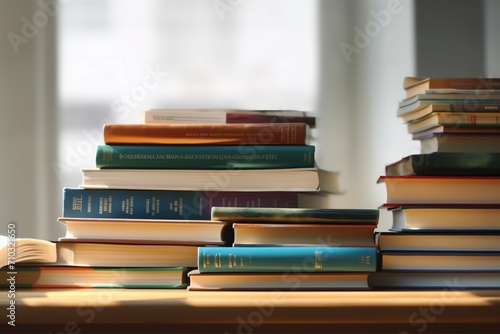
(205, 156)
(163, 204)
(301, 259)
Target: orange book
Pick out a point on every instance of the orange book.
(206, 134)
(414, 86)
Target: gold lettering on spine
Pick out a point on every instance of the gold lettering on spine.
(318, 257)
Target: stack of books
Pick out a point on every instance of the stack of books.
(290, 249)
(444, 200)
(147, 202)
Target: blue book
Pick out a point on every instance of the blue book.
(301, 259)
(205, 156)
(163, 204)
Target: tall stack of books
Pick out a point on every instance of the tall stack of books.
(445, 201)
(147, 202)
(290, 249)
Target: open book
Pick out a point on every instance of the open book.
(26, 250)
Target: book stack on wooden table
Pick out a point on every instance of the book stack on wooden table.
(143, 210)
(445, 200)
(290, 249)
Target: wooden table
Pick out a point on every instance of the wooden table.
(181, 311)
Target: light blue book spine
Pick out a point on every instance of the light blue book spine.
(300, 259)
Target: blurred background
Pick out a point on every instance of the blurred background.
(69, 66)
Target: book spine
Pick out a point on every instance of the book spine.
(456, 164)
(205, 157)
(163, 204)
(287, 259)
(206, 134)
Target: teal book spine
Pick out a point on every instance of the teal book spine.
(302, 259)
(205, 156)
(163, 204)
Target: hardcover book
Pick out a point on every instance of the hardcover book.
(415, 85)
(446, 217)
(461, 143)
(441, 261)
(206, 134)
(447, 163)
(277, 281)
(205, 156)
(305, 259)
(98, 277)
(163, 204)
(168, 231)
(243, 180)
(441, 189)
(220, 116)
(300, 215)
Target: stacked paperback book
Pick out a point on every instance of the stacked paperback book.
(141, 213)
(445, 201)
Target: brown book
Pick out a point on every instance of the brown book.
(206, 134)
(414, 86)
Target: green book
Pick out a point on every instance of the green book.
(303, 259)
(299, 215)
(205, 156)
(447, 163)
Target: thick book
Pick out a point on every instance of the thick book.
(25, 250)
(445, 281)
(220, 116)
(441, 189)
(324, 234)
(244, 180)
(445, 217)
(477, 120)
(301, 215)
(168, 231)
(97, 277)
(416, 85)
(93, 254)
(304, 259)
(480, 109)
(461, 143)
(291, 281)
(163, 204)
(439, 240)
(205, 134)
(440, 261)
(447, 163)
(205, 156)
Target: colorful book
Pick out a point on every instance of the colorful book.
(305, 259)
(220, 116)
(205, 134)
(205, 157)
(484, 109)
(294, 281)
(415, 85)
(441, 189)
(244, 180)
(301, 215)
(168, 231)
(98, 277)
(477, 120)
(163, 204)
(447, 163)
